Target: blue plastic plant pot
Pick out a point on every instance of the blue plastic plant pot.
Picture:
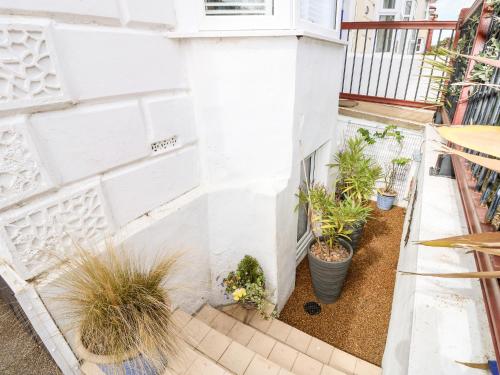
(133, 366)
(385, 202)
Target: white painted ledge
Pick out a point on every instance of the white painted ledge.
(253, 33)
(436, 322)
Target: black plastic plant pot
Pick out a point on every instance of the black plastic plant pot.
(328, 277)
(355, 236)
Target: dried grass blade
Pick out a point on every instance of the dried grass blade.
(482, 138)
(482, 240)
(460, 275)
(493, 164)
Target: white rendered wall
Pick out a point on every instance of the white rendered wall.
(109, 128)
(436, 322)
(86, 89)
(259, 113)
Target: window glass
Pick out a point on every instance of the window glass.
(321, 12)
(306, 170)
(238, 8)
(389, 4)
(385, 37)
(408, 5)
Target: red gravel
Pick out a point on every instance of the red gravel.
(357, 323)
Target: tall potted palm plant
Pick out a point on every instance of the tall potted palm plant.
(329, 252)
(355, 184)
(357, 172)
(357, 215)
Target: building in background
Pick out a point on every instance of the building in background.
(388, 10)
(391, 10)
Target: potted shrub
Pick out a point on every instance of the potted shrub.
(357, 173)
(247, 285)
(329, 254)
(357, 214)
(387, 195)
(119, 310)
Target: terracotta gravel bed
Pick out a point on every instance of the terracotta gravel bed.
(358, 321)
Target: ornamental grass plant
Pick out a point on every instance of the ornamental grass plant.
(119, 306)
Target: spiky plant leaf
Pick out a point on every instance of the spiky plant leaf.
(460, 275)
(478, 240)
(482, 138)
(492, 164)
(480, 366)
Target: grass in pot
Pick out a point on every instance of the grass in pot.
(119, 309)
(330, 253)
(387, 195)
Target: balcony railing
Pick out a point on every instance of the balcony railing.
(479, 187)
(384, 61)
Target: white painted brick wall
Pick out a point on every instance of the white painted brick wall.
(29, 69)
(151, 11)
(85, 87)
(41, 234)
(92, 8)
(171, 116)
(109, 12)
(21, 171)
(137, 189)
(104, 62)
(92, 96)
(89, 140)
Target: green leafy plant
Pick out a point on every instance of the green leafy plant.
(367, 136)
(397, 164)
(482, 72)
(119, 306)
(354, 212)
(327, 214)
(247, 285)
(390, 131)
(357, 173)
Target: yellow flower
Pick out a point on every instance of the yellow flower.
(239, 293)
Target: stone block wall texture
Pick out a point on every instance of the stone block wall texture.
(97, 124)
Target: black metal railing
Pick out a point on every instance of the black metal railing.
(468, 31)
(384, 61)
(483, 108)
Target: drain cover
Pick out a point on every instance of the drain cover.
(312, 308)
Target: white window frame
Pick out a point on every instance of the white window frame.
(317, 28)
(281, 19)
(389, 9)
(303, 242)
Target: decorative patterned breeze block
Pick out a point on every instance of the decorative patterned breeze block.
(39, 237)
(28, 74)
(21, 174)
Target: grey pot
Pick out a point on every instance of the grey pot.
(328, 277)
(355, 236)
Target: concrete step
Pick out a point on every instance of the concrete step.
(190, 360)
(226, 352)
(272, 335)
(293, 357)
